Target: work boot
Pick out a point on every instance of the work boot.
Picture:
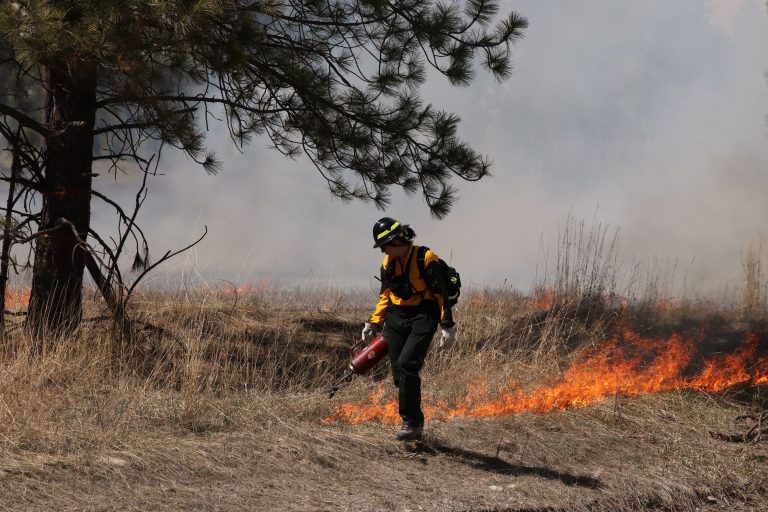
(409, 433)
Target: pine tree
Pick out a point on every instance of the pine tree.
(336, 81)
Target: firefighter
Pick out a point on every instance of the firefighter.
(409, 310)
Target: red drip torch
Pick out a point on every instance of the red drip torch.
(362, 360)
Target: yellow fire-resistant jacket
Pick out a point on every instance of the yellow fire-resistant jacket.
(420, 289)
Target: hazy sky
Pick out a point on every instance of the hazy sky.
(647, 115)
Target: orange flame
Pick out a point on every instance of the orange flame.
(17, 298)
(666, 305)
(244, 290)
(542, 300)
(628, 366)
(549, 298)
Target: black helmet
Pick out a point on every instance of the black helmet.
(385, 230)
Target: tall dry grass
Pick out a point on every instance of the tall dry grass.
(211, 361)
(214, 360)
(755, 282)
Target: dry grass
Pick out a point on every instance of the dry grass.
(754, 288)
(228, 417)
(224, 408)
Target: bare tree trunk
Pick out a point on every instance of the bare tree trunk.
(7, 233)
(55, 304)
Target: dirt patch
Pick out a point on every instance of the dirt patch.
(653, 453)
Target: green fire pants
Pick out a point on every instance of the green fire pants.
(409, 331)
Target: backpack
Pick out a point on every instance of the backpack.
(451, 279)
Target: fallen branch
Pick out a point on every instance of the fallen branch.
(753, 435)
(758, 429)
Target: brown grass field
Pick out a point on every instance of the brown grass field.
(224, 410)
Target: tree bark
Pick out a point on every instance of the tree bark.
(55, 305)
(5, 253)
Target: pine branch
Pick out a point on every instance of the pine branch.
(23, 119)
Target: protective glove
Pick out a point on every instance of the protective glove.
(370, 331)
(448, 337)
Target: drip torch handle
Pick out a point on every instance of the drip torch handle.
(353, 347)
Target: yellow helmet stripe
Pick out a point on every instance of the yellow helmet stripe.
(385, 233)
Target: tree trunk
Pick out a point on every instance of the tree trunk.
(55, 305)
(5, 253)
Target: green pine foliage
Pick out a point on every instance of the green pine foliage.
(337, 81)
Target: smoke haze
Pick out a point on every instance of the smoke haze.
(649, 116)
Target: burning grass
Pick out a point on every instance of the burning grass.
(629, 365)
(228, 410)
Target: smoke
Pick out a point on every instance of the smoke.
(645, 115)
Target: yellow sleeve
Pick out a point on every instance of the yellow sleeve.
(381, 307)
(439, 298)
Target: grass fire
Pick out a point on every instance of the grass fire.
(629, 365)
(572, 399)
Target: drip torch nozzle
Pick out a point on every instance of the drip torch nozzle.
(347, 375)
